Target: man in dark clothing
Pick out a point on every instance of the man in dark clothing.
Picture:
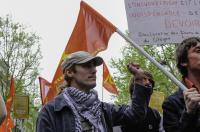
(78, 109)
(181, 111)
(152, 121)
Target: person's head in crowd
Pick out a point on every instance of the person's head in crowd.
(185, 55)
(79, 70)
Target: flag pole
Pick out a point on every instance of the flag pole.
(142, 51)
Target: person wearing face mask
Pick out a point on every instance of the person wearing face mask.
(152, 121)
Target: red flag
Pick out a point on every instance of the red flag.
(108, 82)
(45, 88)
(91, 33)
(8, 122)
(9, 100)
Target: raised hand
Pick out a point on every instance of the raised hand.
(192, 99)
(138, 73)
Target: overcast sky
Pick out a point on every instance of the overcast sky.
(54, 21)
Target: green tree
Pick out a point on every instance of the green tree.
(162, 53)
(20, 55)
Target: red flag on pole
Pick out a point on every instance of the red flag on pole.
(45, 88)
(91, 33)
(8, 123)
(9, 101)
(108, 81)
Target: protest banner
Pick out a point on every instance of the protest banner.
(162, 21)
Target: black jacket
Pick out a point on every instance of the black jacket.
(175, 119)
(151, 123)
(56, 116)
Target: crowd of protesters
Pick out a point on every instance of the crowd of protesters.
(77, 107)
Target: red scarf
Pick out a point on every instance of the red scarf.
(189, 84)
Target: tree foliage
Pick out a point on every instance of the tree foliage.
(20, 55)
(162, 53)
